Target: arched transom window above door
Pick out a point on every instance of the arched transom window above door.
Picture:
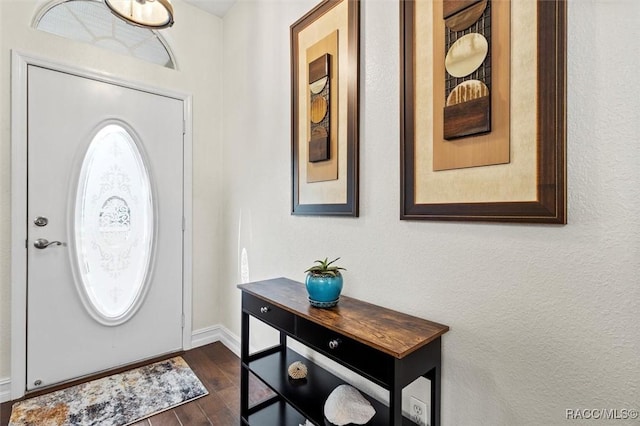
(90, 21)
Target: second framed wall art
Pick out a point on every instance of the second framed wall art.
(324, 115)
(483, 110)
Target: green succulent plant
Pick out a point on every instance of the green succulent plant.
(325, 268)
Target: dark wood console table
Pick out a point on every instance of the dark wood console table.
(387, 347)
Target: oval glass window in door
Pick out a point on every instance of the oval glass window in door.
(114, 225)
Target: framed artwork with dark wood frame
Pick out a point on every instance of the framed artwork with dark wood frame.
(324, 109)
(483, 141)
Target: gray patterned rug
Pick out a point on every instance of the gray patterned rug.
(116, 400)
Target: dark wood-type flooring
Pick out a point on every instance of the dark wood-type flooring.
(219, 370)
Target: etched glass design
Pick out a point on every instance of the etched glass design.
(114, 223)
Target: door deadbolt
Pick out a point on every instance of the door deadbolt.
(41, 221)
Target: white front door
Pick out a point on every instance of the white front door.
(104, 226)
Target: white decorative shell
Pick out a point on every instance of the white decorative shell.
(346, 405)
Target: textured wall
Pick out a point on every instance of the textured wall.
(196, 38)
(543, 318)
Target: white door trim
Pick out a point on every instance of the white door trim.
(19, 63)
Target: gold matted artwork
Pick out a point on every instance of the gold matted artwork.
(324, 128)
(471, 72)
(483, 110)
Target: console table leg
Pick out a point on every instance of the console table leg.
(395, 398)
(244, 372)
(434, 376)
(283, 341)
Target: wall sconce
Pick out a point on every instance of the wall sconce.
(154, 14)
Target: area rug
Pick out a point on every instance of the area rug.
(117, 400)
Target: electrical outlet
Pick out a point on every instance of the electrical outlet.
(418, 412)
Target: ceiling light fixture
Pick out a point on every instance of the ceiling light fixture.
(153, 14)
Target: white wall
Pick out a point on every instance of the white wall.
(543, 318)
(196, 38)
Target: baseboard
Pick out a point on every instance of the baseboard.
(216, 333)
(5, 389)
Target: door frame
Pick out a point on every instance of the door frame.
(19, 142)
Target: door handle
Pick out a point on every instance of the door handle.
(42, 243)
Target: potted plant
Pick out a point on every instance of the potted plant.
(324, 283)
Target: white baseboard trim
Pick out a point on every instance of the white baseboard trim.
(216, 333)
(5, 389)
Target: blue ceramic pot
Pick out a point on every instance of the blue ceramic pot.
(324, 291)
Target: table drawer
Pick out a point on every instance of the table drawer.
(267, 312)
(371, 363)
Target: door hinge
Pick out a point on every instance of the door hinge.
(184, 223)
(182, 320)
(184, 127)
(26, 243)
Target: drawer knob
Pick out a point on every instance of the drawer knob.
(333, 344)
(264, 309)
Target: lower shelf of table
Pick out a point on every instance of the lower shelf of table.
(307, 397)
(277, 414)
